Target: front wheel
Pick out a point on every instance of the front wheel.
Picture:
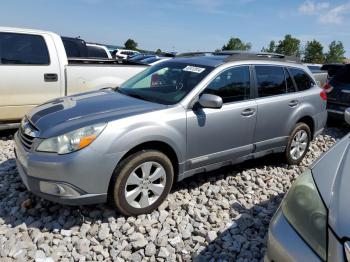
(142, 182)
(298, 144)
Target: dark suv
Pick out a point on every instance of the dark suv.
(338, 89)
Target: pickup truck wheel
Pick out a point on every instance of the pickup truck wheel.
(142, 182)
(298, 144)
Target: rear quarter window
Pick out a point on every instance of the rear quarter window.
(23, 49)
(301, 78)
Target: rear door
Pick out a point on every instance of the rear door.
(29, 74)
(277, 100)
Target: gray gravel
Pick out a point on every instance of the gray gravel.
(223, 215)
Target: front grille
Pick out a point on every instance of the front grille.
(27, 141)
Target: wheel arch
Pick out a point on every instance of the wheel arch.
(161, 146)
(308, 120)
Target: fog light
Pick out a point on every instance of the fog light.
(57, 189)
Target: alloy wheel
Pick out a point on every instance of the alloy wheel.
(299, 144)
(145, 184)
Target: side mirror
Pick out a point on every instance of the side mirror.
(210, 101)
(347, 116)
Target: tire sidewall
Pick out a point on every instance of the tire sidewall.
(123, 172)
(300, 126)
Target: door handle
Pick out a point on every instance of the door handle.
(293, 103)
(248, 112)
(50, 77)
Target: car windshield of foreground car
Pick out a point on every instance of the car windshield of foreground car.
(166, 83)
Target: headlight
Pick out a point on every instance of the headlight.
(71, 141)
(305, 211)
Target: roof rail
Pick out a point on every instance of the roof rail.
(199, 53)
(236, 55)
(242, 55)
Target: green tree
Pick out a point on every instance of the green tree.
(336, 52)
(237, 44)
(130, 44)
(158, 51)
(313, 52)
(289, 46)
(271, 48)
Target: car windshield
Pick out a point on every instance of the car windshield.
(166, 83)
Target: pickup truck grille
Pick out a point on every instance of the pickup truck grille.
(27, 141)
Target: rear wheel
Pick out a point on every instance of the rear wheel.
(141, 182)
(298, 144)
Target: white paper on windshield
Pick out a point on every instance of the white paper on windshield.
(194, 69)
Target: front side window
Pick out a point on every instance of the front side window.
(23, 49)
(270, 80)
(166, 83)
(301, 78)
(232, 85)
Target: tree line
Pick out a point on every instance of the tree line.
(312, 52)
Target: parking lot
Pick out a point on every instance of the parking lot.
(219, 215)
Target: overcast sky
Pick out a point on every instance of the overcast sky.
(182, 25)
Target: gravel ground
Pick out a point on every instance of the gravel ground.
(223, 215)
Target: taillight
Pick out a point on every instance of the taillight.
(327, 87)
(323, 95)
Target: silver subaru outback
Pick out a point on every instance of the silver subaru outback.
(181, 117)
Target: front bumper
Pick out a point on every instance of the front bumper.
(79, 178)
(284, 243)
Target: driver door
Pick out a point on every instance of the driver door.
(219, 135)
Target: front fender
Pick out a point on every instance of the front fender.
(166, 127)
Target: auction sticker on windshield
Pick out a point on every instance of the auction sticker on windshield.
(194, 69)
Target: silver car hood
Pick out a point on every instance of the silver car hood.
(332, 177)
(69, 113)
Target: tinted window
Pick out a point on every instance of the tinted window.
(95, 51)
(270, 80)
(231, 85)
(302, 79)
(23, 49)
(343, 75)
(290, 84)
(72, 49)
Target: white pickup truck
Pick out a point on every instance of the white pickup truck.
(34, 68)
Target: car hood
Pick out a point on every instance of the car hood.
(69, 113)
(332, 177)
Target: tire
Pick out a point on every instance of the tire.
(131, 182)
(296, 157)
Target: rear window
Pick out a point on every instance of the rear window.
(301, 78)
(23, 49)
(343, 75)
(95, 51)
(271, 80)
